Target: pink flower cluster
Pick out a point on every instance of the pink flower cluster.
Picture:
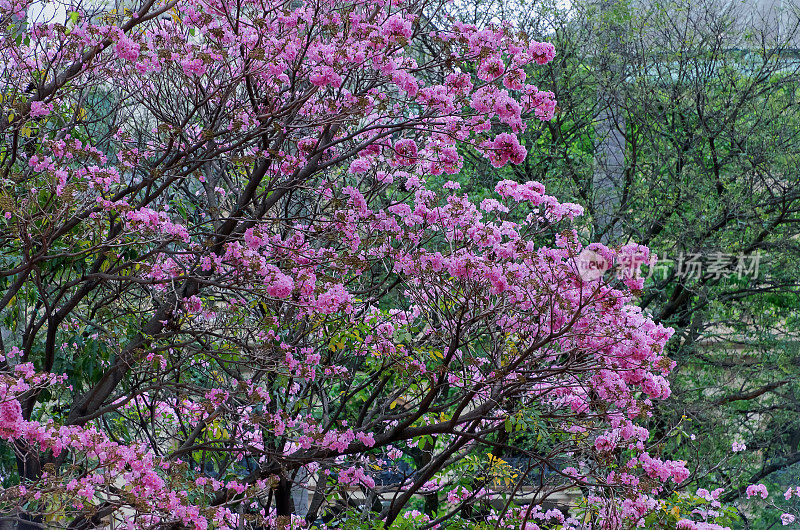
(127, 49)
(757, 489)
(159, 222)
(503, 149)
(355, 476)
(40, 109)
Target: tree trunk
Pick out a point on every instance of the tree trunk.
(283, 504)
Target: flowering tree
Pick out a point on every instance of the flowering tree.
(226, 277)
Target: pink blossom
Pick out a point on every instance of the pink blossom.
(11, 416)
(326, 76)
(127, 49)
(397, 26)
(491, 68)
(757, 489)
(366, 438)
(504, 148)
(40, 109)
(281, 286)
(360, 165)
(406, 151)
(193, 67)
